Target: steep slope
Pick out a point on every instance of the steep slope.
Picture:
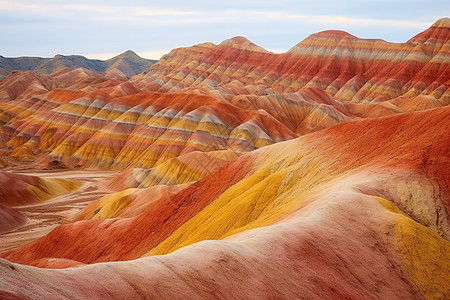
(114, 126)
(266, 177)
(361, 229)
(348, 68)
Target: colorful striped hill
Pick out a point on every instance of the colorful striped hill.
(322, 172)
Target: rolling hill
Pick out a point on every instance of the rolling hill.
(229, 171)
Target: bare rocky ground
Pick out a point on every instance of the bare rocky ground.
(45, 216)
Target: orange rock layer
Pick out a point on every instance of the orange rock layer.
(368, 199)
(232, 96)
(322, 172)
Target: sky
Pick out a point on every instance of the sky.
(104, 28)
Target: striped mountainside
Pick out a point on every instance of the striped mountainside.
(228, 171)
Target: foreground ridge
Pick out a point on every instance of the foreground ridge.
(279, 216)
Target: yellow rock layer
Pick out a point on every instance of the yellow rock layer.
(47, 188)
(419, 249)
(112, 204)
(257, 201)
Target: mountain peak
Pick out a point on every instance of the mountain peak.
(126, 54)
(436, 34)
(335, 35)
(444, 22)
(326, 37)
(127, 64)
(241, 42)
(129, 53)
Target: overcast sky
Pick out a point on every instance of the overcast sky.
(104, 28)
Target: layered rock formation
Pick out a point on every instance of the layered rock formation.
(233, 96)
(322, 172)
(360, 216)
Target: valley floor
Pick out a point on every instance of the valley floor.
(45, 216)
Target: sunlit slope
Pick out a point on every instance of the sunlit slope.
(401, 159)
(128, 238)
(359, 210)
(290, 173)
(141, 131)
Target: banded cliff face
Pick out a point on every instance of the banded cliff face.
(322, 172)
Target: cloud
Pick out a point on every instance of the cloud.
(329, 20)
(111, 11)
(165, 12)
(40, 8)
(276, 50)
(159, 15)
(154, 54)
(29, 27)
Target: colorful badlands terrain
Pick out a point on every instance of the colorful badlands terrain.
(322, 172)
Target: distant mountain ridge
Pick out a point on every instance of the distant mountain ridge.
(124, 65)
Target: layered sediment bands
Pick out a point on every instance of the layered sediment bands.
(232, 96)
(277, 185)
(129, 238)
(186, 168)
(348, 68)
(361, 229)
(322, 172)
(273, 261)
(101, 131)
(128, 202)
(280, 185)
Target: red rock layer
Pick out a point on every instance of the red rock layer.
(353, 210)
(18, 189)
(417, 141)
(348, 68)
(122, 239)
(10, 218)
(337, 233)
(254, 98)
